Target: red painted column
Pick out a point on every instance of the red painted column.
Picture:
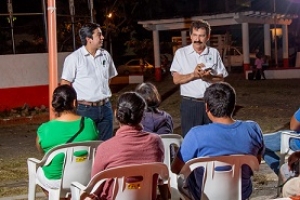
(52, 54)
(156, 55)
(158, 73)
(285, 63)
(246, 67)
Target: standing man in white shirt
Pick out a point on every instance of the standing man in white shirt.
(195, 67)
(89, 70)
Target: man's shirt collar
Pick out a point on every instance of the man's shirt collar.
(192, 50)
(85, 52)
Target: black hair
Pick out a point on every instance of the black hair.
(130, 108)
(149, 92)
(258, 55)
(86, 31)
(63, 99)
(294, 161)
(200, 24)
(220, 99)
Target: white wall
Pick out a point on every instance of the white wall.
(279, 73)
(23, 70)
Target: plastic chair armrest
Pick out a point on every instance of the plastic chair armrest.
(76, 189)
(285, 138)
(292, 133)
(163, 181)
(34, 160)
(33, 164)
(78, 185)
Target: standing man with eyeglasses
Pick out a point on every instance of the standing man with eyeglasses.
(89, 70)
(195, 67)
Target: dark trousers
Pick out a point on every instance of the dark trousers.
(258, 74)
(102, 116)
(192, 113)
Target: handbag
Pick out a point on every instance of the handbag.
(81, 127)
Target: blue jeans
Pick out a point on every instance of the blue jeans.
(272, 143)
(102, 116)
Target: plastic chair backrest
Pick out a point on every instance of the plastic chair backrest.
(285, 141)
(168, 141)
(121, 189)
(78, 160)
(78, 164)
(225, 185)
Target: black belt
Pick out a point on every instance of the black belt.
(95, 104)
(193, 99)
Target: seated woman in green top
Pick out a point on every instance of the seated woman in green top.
(59, 130)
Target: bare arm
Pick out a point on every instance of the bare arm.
(259, 158)
(177, 165)
(294, 124)
(65, 82)
(261, 151)
(182, 78)
(38, 146)
(198, 73)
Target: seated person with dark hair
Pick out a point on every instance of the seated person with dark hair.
(130, 145)
(154, 120)
(224, 136)
(273, 142)
(59, 131)
(292, 187)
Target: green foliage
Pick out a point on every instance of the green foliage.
(4, 47)
(35, 46)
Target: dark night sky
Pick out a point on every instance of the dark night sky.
(179, 7)
(171, 8)
(20, 6)
(184, 5)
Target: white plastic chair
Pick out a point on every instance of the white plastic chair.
(225, 185)
(285, 144)
(75, 168)
(122, 190)
(168, 141)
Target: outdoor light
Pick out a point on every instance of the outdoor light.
(277, 31)
(109, 15)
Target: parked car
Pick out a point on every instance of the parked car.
(233, 57)
(135, 66)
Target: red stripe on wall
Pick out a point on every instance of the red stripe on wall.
(17, 97)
